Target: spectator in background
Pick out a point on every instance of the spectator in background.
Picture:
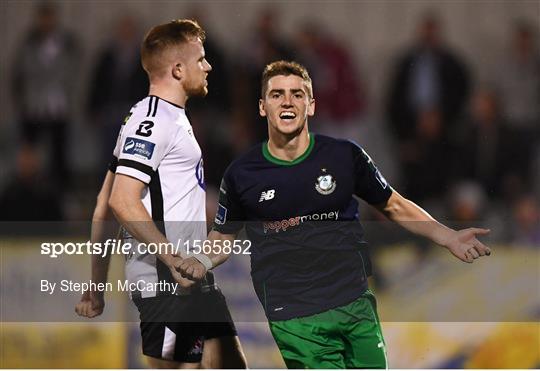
(427, 93)
(481, 149)
(468, 202)
(29, 196)
(218, 99)
(526, 221)
(117, 81)
(340, 96)
(519, 81)
(210, 116)
(43, 75)
(264, 47)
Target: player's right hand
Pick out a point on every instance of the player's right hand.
(464, 245)
(192, 269)
(91, 305)
(178, 276)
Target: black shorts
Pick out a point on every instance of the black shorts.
(174, 327)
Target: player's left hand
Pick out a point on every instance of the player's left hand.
(91, 304)
(192, 269)
(465, 246)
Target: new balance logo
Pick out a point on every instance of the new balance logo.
(267, 195)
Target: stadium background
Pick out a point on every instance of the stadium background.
(354, 50)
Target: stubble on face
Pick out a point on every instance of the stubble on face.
(195, 84)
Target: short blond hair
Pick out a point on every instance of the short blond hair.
(165, 36)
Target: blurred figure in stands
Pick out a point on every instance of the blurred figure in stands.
(339, 93)
(29, 196)
(118, 80)
(264, 46)
(519, 81)
(468, 202)
(481, 150)
(526, 221)
(427, 92)
(43, 76)
(210, 115)
(218, 98)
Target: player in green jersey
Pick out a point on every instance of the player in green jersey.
(294, 194)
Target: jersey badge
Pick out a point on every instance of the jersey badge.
(381, 179)
(138, 147)
(325, 183)
(221, 215)
(267, 195)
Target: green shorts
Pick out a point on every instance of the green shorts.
(345, 337)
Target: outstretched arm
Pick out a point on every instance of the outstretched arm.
(463, 244)
(104, 227)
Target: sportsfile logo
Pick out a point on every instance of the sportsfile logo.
(267, 195)
(283, 225)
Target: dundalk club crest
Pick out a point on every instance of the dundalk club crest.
(325, 183)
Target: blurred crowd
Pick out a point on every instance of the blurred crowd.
(468, 150)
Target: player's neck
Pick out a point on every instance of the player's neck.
(288, 148)
(168, 93)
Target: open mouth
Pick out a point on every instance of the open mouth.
(287, 116)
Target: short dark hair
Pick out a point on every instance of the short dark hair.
(285, 68)
(167, 35)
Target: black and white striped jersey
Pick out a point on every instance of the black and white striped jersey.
(156, 145)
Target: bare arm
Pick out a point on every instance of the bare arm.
(125, 202)
(104, 227)
(463, 244)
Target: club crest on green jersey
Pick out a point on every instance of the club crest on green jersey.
(325, 183)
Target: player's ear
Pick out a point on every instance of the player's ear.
(178, 71)
(311, 107)
(262, 110)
